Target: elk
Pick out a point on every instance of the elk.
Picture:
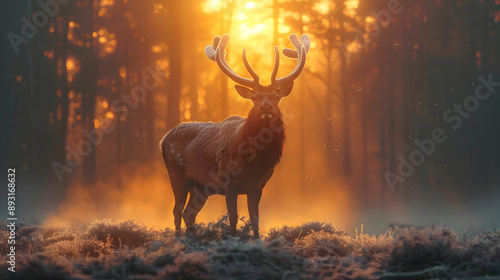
(237, 155)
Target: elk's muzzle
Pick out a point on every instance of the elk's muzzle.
(266, 111)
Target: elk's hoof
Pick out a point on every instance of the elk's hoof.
(191, 230)
(256, 235)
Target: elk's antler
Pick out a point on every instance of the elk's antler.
(210, 50)
(306, 41)
(300, 52)
(217, 52)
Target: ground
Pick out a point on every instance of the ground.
(128, 250)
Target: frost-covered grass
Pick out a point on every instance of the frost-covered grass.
(128, 250)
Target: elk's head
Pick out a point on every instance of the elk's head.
(264, 98)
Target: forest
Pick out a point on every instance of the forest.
(391, 123)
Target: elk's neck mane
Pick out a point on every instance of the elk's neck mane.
(260, 129)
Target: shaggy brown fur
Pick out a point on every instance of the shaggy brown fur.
(205, 158)
(235, 156)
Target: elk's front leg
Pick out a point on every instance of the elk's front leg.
(232, 209)
(253, 200)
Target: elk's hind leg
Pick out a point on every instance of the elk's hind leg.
(197, 199)
(180, 189)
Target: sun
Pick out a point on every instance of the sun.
(247, 19)
(252, 19)
(211, 6)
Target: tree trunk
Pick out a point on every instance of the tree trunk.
(150, 115)
(225, 17)
(63, 126)
(302, 120)
(346, 133)
(193, 89)
(119, 152)
(175, 58)
(276, 14)
(364, 143)
(328, 122)
(89, 161)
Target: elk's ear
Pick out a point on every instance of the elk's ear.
(244, 91)
(285, 89)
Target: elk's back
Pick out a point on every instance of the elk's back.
(199, 148)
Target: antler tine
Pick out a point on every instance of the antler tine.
(298, 69)
(301, 54)
(223, 42)
(276, 64)
(306, 42)
(210, 50)
(224, 66)
(249, 68)
(215, 42)
(229, 72)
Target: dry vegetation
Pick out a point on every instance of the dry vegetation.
(127, 250)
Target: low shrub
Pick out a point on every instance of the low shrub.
(121, 233)
(294, 232)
